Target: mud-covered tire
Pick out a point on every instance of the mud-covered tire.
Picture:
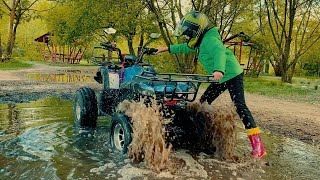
(120, 133)
(85, 108)
(108, 100)
(186, 129)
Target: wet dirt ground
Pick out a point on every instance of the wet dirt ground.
(37, 139)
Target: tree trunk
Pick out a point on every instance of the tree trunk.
(291, 73)
(1, 59)
(277, 69)
(318, 71)
(14, 20)
(14, 32)
(141, 42)
(10, 42)
(130, 44)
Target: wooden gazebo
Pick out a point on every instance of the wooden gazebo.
(253, 65)
(59, 54)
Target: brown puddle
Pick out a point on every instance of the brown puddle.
(64, 78)
(77, 71)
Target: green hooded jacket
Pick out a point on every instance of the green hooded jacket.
(213, 55)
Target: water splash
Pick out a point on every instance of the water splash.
(149, 141)
(220, 129)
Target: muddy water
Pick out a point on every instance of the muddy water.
(38, 140)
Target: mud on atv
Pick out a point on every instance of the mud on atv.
(132, 79)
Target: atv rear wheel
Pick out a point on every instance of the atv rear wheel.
(120, 137)
(85, 108)
(186, 129)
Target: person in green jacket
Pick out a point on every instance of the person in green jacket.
(222, 64)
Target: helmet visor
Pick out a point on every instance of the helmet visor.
(180, 30)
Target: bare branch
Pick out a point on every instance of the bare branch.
(270, 25)
(308, 10)
(35, 10)
(6, 5)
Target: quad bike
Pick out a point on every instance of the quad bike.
(131, 78)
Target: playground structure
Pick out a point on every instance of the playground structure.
(254, 65)
(54, 53)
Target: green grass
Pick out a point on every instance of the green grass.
(302, 89)
(14, 65)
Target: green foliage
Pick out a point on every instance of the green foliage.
(81, 22)
(14, 65)
(309, 64)
(74, 22)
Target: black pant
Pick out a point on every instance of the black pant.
(235, 87)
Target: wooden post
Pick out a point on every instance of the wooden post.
(240, 53)
(63, 58)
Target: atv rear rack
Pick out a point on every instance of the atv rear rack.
(172, 82)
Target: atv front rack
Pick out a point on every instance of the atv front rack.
(175, 86)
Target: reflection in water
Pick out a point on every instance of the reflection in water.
(77, 71)
(61, 77)
(15, 124)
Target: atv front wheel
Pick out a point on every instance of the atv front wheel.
(85, 108)
(120, 137)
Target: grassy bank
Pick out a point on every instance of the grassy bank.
(302, 89)
(14, 65)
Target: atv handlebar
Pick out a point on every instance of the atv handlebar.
(145, 50)
(109, 46)
(150, 51)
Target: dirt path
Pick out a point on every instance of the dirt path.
(292, 119)
(299, 120)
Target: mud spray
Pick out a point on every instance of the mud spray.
(148, 138)
(149, 141)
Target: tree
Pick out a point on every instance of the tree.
(84, 20)
(1, 48)
(17, 10)
(222, 13)
(132, 20)
(294, 28)
(165, 12)
(1, 12)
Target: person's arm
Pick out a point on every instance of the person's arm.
(176, 49)
(181, 49)
(162, 49)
